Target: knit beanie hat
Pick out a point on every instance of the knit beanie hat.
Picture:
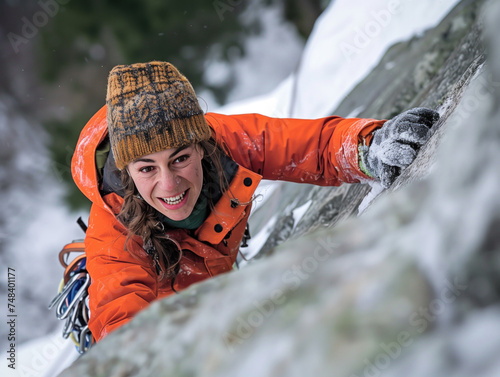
(151, 107)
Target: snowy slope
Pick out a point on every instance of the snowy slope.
(348, 40)
(328, 70)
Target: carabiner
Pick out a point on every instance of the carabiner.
(85, 340)
(66, 289)
(63, 313)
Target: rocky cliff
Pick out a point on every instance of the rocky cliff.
(409, 288)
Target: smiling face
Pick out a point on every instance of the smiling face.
(170, 181)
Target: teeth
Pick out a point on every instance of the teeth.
(174, 199)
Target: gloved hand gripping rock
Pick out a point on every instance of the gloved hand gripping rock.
(396, 144)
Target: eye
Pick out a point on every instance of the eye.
(146, 169)
(181, 159)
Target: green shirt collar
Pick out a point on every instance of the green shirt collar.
(195, 219)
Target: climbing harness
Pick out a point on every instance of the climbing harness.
(72, 301)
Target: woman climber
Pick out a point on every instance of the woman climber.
(172, 188)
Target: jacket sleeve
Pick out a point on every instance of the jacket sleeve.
(318, 151)
(121, 285)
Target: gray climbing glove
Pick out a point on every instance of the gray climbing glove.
(396, 144)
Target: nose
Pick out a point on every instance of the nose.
(168, 181)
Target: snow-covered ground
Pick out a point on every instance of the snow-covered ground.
(347, 42)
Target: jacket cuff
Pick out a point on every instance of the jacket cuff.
(360, 132)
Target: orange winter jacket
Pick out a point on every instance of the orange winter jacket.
(322, 152)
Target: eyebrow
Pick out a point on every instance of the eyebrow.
(150, 161)
(178, 150)
(140, 159)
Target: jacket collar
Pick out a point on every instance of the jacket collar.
(230, 208)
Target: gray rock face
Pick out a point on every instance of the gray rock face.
(396, 84)
(410, 288)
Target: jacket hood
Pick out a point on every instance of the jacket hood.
(83, 164)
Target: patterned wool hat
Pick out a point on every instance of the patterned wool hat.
(151, 107)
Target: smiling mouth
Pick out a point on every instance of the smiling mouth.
(173, 200)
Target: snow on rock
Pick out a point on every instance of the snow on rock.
(376, 190)
(300, 211)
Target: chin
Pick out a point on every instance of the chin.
(176, 215)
